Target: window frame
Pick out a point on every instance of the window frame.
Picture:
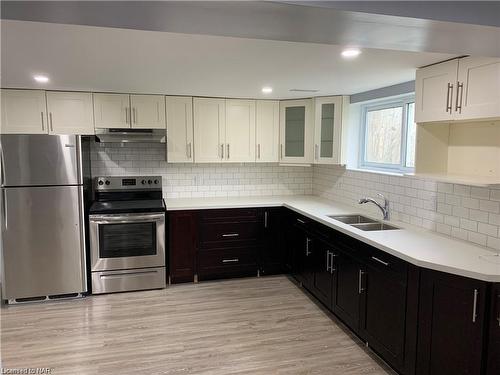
(380, 104)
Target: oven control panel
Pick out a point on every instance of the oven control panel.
(128, 183)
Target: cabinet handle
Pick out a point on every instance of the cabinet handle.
(222, 151)
(228, 150)
(234, 260)
(126, 115)
(458, 102)
(380, 261)
(43, 127)
(315, 152)
(332, 270)
(258, 151)
(231, 235)
(301, 221)
(266, 214)
(360, 282)
(449, 98)
(190, 150)
(328, 261)
(308, 241)
(50, 118)
(281, 151)
(134, 113)
(474, 307)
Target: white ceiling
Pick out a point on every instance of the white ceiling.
(124, 60)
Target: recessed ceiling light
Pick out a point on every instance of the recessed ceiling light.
(350, 53)
(41, 78)
(267, 90)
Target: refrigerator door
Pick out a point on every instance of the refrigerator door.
(42, 241)
(40, 160)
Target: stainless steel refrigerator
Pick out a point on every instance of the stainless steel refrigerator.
(43, 217)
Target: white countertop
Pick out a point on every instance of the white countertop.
(417, 246)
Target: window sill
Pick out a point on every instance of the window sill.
(374, 171)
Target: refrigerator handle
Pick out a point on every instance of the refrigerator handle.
(83, 243)
(4, 208)
(2, 167)
(79, 157)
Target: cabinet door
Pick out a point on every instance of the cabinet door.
(183, 234)
(148, 111)
(383, 314)
(323, 272)
(209, 129)
(348, 287)
(478, 91)
(296, 131)
(240, 131)
(70, 112)
(451, 322)
(435, 91)
(112, 110)
(267, 131)
(179, 129)
(493, 362)
(23, 112)
(271, 255)
(327, 130)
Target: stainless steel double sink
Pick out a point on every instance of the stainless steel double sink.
(363, 222)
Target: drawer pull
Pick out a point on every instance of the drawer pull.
(380, 261)
(234, 260)
(231, 235)
(301, 221)
(360, 282)
(126, 274)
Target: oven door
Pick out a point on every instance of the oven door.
(125, 241)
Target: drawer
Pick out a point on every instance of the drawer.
(229, 232)
(230, 262)
(385, 261)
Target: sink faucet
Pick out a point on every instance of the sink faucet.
(384, 208)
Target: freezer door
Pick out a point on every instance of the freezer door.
(43, 242)
(34, 160)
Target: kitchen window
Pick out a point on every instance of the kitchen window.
(388, 135)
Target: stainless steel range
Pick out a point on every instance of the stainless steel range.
(127, 234)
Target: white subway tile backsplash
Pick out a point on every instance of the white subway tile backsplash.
(465, 212)
(199, 180)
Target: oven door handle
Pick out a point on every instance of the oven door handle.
(124, 219)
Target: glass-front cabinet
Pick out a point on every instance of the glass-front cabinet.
(296, 131)
(327, 130)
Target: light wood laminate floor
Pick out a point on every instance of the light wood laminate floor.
(241, 326)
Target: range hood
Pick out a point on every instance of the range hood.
(131, 135)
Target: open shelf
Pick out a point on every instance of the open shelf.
(462, 153)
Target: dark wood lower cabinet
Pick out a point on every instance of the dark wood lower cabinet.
(493, 356)
(182, 239)
(451, 317)
(419, 321)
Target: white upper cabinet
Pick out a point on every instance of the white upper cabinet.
(296, 131)
(148, 111)
(327, 129)
(209, 129)
(478, 89)
(435, 88)
(462, 89)
(70, 112)
(267, 130)
(179, 129)
(239, 137)
(23, 112)
(112, 110)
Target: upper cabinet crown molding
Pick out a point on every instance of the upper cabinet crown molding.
(179, 112)
(23, 112)
(461, 89)
(267, 131)
(70, 112)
